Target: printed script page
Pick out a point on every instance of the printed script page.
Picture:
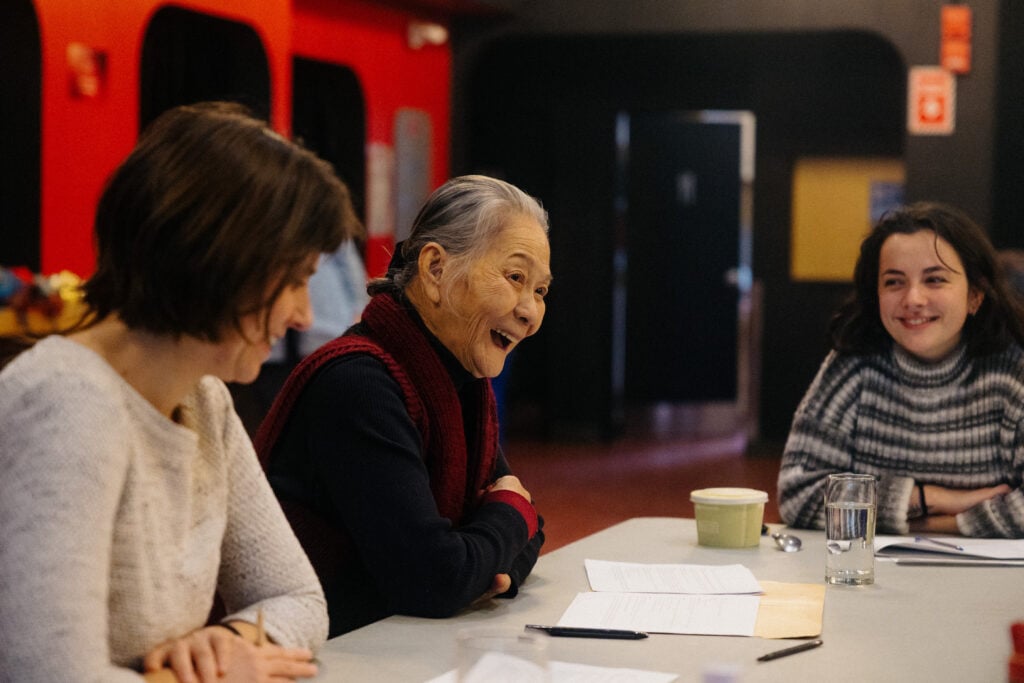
(695, 579)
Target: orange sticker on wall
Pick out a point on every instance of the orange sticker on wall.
(955, 49)
(87, 70)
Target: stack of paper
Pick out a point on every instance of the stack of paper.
(950, 550)
(693, 599)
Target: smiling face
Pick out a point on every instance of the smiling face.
(924, 297)
(480, 318)
(241, 354)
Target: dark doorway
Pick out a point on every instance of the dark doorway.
(539, 108)
(20, 105)
(329, 117)
(683, 227)
(191, 57)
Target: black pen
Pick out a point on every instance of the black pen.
(582, 632)
(789, 651)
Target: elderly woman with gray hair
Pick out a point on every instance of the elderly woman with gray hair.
(383, 444)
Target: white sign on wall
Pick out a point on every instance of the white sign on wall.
(931, 101)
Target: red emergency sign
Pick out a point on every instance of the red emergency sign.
(931, 101)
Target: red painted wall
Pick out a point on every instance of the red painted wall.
(372, 41)
(85, 138)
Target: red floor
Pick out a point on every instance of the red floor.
(580, 489)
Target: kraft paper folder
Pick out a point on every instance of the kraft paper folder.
(790, 610)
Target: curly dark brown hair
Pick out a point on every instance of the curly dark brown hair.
(857, 326)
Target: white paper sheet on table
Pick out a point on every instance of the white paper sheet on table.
(986, 548)
(696, 579)
(501, 668)
(719, 615)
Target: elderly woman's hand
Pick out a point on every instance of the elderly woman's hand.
(500, 584)
(510, 482)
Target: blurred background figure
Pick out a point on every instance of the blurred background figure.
(337, 292)
(1012, 261)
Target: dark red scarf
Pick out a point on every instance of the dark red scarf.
(460, 464)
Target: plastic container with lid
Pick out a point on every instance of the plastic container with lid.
(729, 517)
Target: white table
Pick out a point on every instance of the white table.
(913, 624)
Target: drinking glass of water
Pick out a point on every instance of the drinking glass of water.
(850, 504)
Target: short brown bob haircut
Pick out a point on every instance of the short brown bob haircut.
(208, 219)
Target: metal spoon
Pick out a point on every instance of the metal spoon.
(787, 543)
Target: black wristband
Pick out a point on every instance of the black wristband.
(920, 494)
(230, 628)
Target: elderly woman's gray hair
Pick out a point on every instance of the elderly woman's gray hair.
(464, 216)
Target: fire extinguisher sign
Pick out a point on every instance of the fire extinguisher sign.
(931, 101)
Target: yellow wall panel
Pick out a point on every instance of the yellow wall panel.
(835, 203)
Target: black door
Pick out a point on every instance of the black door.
(683, 222)
(20, 106)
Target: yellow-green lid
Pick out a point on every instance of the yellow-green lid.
(728, 496)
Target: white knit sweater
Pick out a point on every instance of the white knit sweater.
(957, 423)
(117, 525)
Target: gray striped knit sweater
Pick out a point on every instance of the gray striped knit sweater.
(958, 423)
